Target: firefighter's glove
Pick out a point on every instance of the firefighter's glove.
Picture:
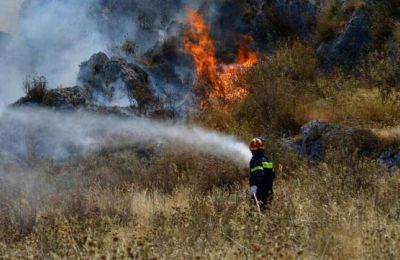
(253, 189)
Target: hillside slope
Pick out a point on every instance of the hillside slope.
(145, 156)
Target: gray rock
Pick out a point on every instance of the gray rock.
(318, 137)
(105, 84)
(390, 158)
(346, 49)
(292, 144)
(115, 81)
(75, 99)
(68, 98)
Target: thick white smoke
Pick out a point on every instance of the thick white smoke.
(9, 15)
(52, 39)
(63, 135)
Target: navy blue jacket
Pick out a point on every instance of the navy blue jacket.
(262, 172)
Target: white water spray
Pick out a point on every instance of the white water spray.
(61, 135)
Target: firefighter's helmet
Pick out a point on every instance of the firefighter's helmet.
(257, 144)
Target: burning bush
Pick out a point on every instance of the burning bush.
(217, 80)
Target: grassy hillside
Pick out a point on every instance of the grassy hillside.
(120, 204)
(117, 204)
(113, 205)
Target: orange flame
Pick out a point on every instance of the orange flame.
(198, 43)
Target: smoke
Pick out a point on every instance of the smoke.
(52, 39)
(54, 36)
(9, 15)
(29, 133)
(60, 136)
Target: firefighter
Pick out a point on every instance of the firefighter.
(262, 173)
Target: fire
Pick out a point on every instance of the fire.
(222, 77)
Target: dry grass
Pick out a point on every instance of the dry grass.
(277, 86)
(357, 107)
(389, 136)
(329, 211)
(287, 89)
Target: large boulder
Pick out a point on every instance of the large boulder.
(390, 158)
(114, 81)
(318, 137)
(107, 85)
(74, 99)
(67, 98)
(347, 48)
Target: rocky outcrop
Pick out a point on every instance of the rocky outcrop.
(115, 81)
(348, 47)
(318, 137)
(390, 158)
(75, 99)
(107, 85)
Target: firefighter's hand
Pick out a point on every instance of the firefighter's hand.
(253, 189)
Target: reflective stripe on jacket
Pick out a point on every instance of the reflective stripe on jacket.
(261, 171)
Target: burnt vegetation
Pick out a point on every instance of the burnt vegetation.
(36, 89)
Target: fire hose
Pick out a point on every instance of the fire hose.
(257, 203)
